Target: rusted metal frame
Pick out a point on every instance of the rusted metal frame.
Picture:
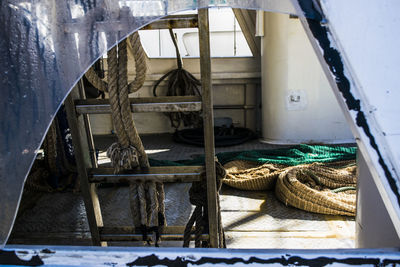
(159, 174)
(208, 119)
(145, 104)
(88, 128)
(83, 161)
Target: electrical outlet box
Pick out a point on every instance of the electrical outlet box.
(296, 100)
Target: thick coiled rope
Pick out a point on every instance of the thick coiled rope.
(146, 198)
(320, 188)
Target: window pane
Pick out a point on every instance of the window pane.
(226, 38)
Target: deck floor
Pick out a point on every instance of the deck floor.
(252, 219)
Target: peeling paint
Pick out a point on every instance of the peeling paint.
(90, 256)
(11, 258)
(284, 260)
(334, 61)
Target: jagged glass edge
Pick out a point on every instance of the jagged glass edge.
(46, 46)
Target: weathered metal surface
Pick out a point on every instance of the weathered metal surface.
(51, 55)
(172, 230)
(252, 219)
(174, 22)
(129, 233)
(89, 256)
(149, 104)
(155, 107)
(162, 174)
(208, 124)
(170, 22)
(138, 237)
(368, 97)
(60, 218)
(83, 161)
(88, 128)
(256, 219)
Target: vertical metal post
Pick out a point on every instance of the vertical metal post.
(88, 128)
(208, 121)
(245, 104)
(83, 161)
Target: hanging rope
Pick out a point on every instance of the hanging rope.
(146, 198)
(180, 83)
(56, 171)
(95, 80)
(139, 55)
(198, 222)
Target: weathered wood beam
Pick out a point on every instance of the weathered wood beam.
(208, 119)
(174, 22)
(83, 161)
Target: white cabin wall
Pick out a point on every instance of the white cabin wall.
(235, 82)
(374, 227)
(291, 70)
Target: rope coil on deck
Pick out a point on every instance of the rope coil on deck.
(246, 175)
(314, 188)
(327, 188)
(318, 179)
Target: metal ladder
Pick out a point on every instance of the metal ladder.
(78, 108)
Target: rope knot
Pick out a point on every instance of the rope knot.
(199, 217)
(122, 158)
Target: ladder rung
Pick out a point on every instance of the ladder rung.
(170, 230)
(174, 22)
(180, 21)
(139, 237)
(129, 233)
(185, 174)
(144, 104)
